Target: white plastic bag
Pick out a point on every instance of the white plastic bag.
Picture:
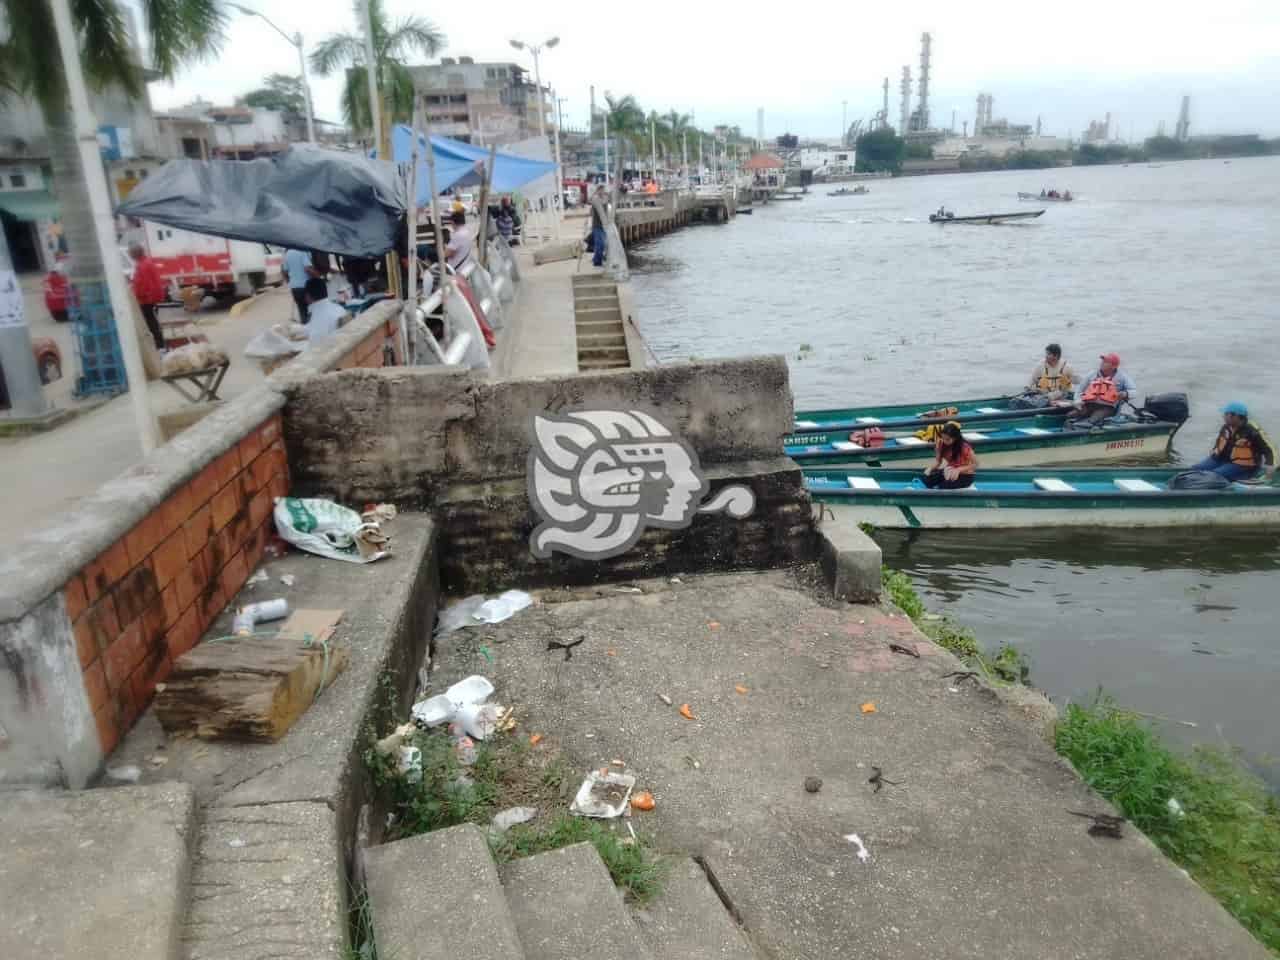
(502, 607)
(324, 528)
(271, 344)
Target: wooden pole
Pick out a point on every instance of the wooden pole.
(409, 312)
(446, 282)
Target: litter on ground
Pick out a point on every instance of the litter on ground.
(862, 852)
(514, 815)
(603, 795)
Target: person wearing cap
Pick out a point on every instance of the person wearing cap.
(1104, 390)
(954, 462)
(1052, 379)
(1241, 451)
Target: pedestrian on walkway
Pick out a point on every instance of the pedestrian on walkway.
(599, 217)
(298, 270)
(148, 287)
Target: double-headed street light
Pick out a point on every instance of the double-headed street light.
(536, 49)
(296, 40)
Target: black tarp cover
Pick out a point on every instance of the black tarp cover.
(307, 197)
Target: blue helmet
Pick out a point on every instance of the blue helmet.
(1236, 407)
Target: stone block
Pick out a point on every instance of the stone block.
(850, 559)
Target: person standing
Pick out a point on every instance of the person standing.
(460, 242)
(1241, 451)
(1105, 389)
(298, 270)
(599, 217)
(148, 287)
(326, 317)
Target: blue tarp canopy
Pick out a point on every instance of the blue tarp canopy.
(459, 163)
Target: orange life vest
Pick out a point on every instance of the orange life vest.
(1241, 448)
(1102, 390)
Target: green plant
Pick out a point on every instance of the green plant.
(1228, 833)
(448, 793)
(361, 945)
(632, 864)
(902, 592)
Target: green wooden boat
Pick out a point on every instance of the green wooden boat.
(1039, 440)
(823, 426)
(1040, 497)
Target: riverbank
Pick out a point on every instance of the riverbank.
(1206, 812)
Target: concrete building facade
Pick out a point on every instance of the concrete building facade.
(483, 103)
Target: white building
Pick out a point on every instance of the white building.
(826, 162)
(954, 147)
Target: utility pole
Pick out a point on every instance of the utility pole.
(371, 66)
(100, 203)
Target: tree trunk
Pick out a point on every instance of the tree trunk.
(73, 198)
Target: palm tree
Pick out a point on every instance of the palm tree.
(678, 125)
(627, 121)
(179, 31)
(392, 42)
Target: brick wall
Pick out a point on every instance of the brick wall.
(371, 351)
(150, 596)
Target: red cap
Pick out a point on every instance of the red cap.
(1112, 358)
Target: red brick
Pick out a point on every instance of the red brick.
(191, 581)
(225, 504)
(130, 708)
(251, 445)
(263, 469)
(86, 644)
(151, 671)
(95, 686)
(108, 730)
(145, 537)
(184, 634)
(169, 559)
(106, 571)
(176, 510)
(135, 593)
(234, 574)
(203, 486)
(227, 466)
(122, 656)
(260, 509)
(197, 530)
(269, 432)
(172, 609)
(211, 603)
(75, 598)
(100, 624)
(255, 544)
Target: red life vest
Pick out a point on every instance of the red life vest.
(1102, 390)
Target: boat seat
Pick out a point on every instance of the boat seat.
(911, 442)
(846, 445)
(990, 410)
(973, 435)
(1034, 431)
(864, 483)
(806, 424)
(1053, 484)
(869, 420)
(1135, 486)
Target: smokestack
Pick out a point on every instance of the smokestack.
(593, 111)
(923, 87)
(977, 117)
(884, 111)
(905, 89)
(760, 128)
(1183, 130)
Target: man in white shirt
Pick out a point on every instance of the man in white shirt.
(460, 241)
(326, 316)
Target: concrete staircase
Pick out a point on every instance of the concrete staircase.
(602, 341)
(441, 895)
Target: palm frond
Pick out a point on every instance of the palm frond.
(355, 101)
(398, 91)
(182, 31)
(413, 34)
(336, 51)
(105, 47)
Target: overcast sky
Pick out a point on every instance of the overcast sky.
(1134, 58)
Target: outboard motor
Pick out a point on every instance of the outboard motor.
(1170, 407)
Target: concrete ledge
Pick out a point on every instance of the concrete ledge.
(850, 559)
(637, 349)
(99, 874)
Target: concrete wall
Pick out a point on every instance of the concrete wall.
(95, 606)
(459, 445)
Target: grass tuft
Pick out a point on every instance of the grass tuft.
(1228, 837)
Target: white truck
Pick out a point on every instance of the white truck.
(222, 268)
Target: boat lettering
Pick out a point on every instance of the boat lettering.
(1126, 444)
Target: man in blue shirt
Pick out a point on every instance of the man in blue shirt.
(298, 270)
(1103, 391)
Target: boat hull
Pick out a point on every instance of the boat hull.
(988, 218)
(1090, 497)
(1140, 441)
(823, 426)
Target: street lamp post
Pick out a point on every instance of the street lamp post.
(296, 40)
(536, 49)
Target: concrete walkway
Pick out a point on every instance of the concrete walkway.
(972, 851)
(48, 473)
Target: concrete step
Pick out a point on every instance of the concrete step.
(594, 303)
(597, 313)
(618, 340)
(95, 873)
(618, 354)
(604, 365)
(588, 294)
(599, 323)
(687, 920)
(438, 895)
(566, 907)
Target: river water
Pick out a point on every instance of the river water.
(1174, 267)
